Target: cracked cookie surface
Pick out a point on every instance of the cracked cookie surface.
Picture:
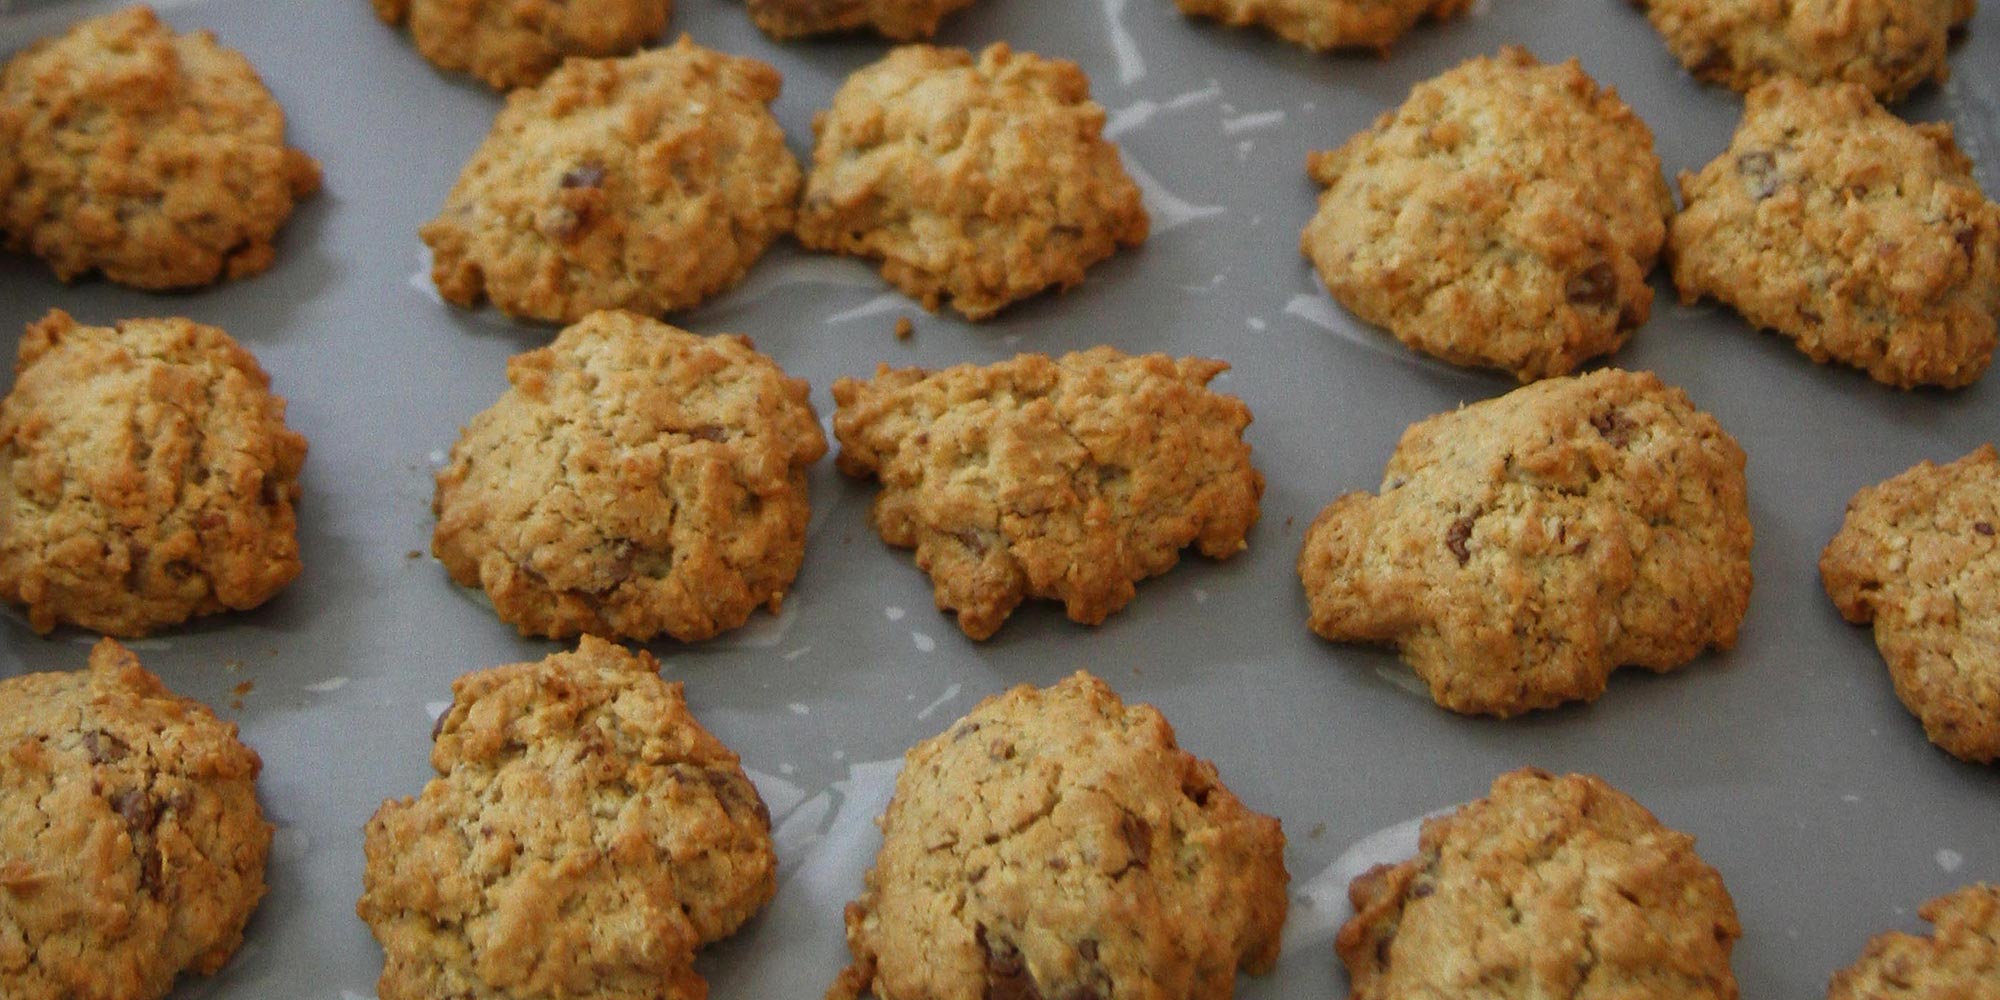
(1070, 479)
(1888, 46)
(147, 476)
(1523, 548)
(1322, 25)
(647, 183)
(1960, 960)
(132, 848)
(155, 157)
(517, 43)
(1058, 843)
(901, 20)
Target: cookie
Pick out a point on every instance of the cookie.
(152, 156)
(1959, 961)
(981, 182)
(1918, 558)
(583, 837)
(516, 43)
(634, 479)
(1505, 216)
(1069, 479)
(1887, 46)
(1862, 238)
(647, 183)
(902, 20)
(149, 477)
(1323, 25)
(1523, 548)
(1549, 887)
(131, 845)
(1059, 843)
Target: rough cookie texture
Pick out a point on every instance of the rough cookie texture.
(1057, 843)
(1070, 479)
(647, 183)
(1548, 888)
(1322, 25)
(1959, 961)
(1888, 46)
(902, 20)
(1506, 216)
(516, 43)
(154, 157)
(583, 837)
(131, 845)
(1864, 239)
(982, 182)
(634, 479)
(1524, 547)
(146, 476)
(1918, 557)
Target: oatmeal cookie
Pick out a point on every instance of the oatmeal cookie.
(1525, 547)
(1887, 46)
(902, 20)
(1959, 961)
(1322, 25)
(516, 43)
(1070, 479)
(154, 157)
(1058, 843)
(979, 181)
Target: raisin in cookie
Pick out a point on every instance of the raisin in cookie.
(1888, 46)
(1959, 961)
(515, 43)
(131, 845)
(148, 474)
(1864, 239)
(1525, 547)
(1918, 557)
(647, 183)
(1070, 479)
(634, 479)
(979, 181)
(1549, 887)
(1322, 25)
(154, 157)
(1058, 843)
(902, 20)
(1505, 216)
(583, 837)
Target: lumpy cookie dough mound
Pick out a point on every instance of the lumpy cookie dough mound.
(1918, 557)
(1070, 479)
(647, 183)
(1549, 887)
(131, 845)
(1505, 216)
(583, 837)
(979, 181)
(902, 20)
(516, 43)
(1887, 46)
(1959, 961)
(147, 476)
(634, 479)
(1523, 548)
(1058, 843)
(155, 157)
(1322, 25)
(1864, 239)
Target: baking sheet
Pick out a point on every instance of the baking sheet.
(1808, 785)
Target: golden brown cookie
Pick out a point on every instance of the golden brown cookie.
(902, 20)
(583, 837)
(979, 181)
(1918, 557)
(1959, 961)
(1864, 239)
(1523, 548)
(131, 845)
(155, 157)
(1070, 479)
(148, 474)
(647, 183)
(1549, 887)
(1888, 46)
(515, 43)
(634, 479)
(1058, 843)
(1322, 25)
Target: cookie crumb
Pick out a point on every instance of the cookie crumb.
(904, 329)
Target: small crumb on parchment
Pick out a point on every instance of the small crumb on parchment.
(904, 328)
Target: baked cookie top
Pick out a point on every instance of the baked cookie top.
(583, 837)
(1959, 961)
(1887, 46)
(148, 476)
(634, 479)
(131, 845)
(646, 183)
(1918, 557)
(155, 157)
(515, 43)
(902, 20)
(1070, 479)
(1864, 239)
(1523, 548)
(1322, 25)
(1505, 216)
(979, 181)
(1549, 887)
(1059, 843)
